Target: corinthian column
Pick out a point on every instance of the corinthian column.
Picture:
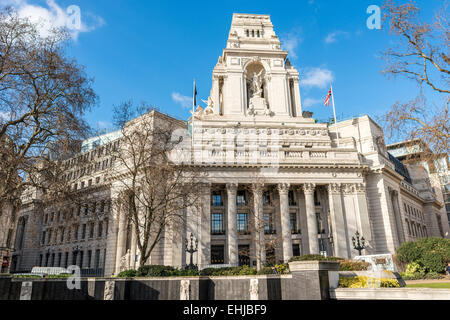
(338, 221)
(233, 255)
(283, 190)
(311, 219)
(260, 246)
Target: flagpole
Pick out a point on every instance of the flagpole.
(193, 116)
(335, 118)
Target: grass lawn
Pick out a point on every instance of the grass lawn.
(442, 285)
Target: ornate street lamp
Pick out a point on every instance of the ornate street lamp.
(192, 250)
(359, 244)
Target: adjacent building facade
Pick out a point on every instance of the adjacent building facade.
(314, 186)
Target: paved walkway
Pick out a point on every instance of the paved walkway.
(445, 280)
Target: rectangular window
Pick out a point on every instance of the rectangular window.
(217, 255)
(217, 199)
(59, 259)
(240, 198)
(100, 229)
(244, 255)
(268, 224)
(296, 250)
(91, 231)
(66, 260)
(242, 223)
(81, 259)
(266, 198)
(217, 224)
(292, 202)
(97, 258)
(83, 232)
(294, 225)
(89, 259)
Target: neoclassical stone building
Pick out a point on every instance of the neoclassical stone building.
(313, 185)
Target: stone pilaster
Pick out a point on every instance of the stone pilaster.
(260, 247)
(205, 233)
(340, 237)
(283, 190)
(311, 220)
(232, 236)
(121, 240)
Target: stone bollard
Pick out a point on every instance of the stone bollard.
(311, 279)
(26, 290)
(254, 289)
(185, 290)
(109, 290)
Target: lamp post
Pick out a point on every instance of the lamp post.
(359, 244)
(190, 249)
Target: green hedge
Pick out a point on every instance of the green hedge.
(431, 253)
(163, 271)
(315, 257)
(344, 265)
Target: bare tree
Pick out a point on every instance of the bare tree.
(420, 54)
(154, 189)
(262, 227)
(43, 96)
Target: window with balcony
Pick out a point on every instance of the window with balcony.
(217, 224)
(217, 254)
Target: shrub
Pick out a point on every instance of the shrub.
(431, 253)
(414, 268)
(155, 271)
(127, 274)
(315, 257)
(350, 265)
(422, 276)
(366, 282)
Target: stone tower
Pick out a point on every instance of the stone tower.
(253, 77)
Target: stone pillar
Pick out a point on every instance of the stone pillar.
(311, 219)
(298, 101)
(340, 238)
(205, 232)
(121, 240)
(232, 236)
(260, 247)
(364, 215)
(283, 190)
(133, 247)
(311, 279)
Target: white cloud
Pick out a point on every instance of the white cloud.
(104, 125)
(184, 101)
(54, 16)
(309, 102)
(290, 42)
(317, 77)
(332, 37)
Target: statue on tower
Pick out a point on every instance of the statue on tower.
(257, 83)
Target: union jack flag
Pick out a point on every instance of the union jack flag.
(327, 101)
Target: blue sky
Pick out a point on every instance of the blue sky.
(151, 51)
